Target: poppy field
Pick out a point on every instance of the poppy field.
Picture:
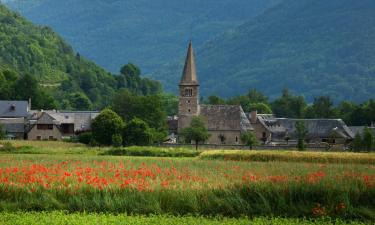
(186, 186)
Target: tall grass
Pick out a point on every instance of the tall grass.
(195, 187)
(290, 156)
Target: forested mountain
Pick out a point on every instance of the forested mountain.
(147, 33)
(312, 47)
(52, 65)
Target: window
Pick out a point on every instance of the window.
(189, 110)
(39, 138)
(188, 92)
(50, 138)
(44, 126)
(236, 139)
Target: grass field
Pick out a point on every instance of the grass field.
(74, 178)
(100, 219)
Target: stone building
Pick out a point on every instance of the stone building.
(58, 125)
(225, 123)
(270, 129)
(12, 118)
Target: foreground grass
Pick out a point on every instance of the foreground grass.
(290, 156)
(186, 186)
(57, 218)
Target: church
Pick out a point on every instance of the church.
(225, 123)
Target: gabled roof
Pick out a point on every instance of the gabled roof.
(13, 109)
(225, 118)
(317, 128)
(360, 129)
(189, 75)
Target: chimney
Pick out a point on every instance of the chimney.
(253, 116)
(29, 107)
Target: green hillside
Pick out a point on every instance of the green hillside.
(66, 75)
(147, 33)
(313, 47)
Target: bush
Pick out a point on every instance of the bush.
(137, 132)
(152, 152)
(104, 126)
(85, 138)
(116, 140)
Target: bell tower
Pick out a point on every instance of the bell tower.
(189, 91)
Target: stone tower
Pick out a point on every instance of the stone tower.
(189, 92)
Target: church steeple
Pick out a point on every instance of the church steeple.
(189, 92)
(189, 75)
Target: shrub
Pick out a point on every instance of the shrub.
(116, 140)
(85, 138)
(137, 132)
(104, 126)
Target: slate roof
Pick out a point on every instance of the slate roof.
(360, 129)
(225, 117)
(81, 119)
(13, 109)
(13, 125)
(317, 128)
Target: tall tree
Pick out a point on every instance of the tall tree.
(368, 139)
(301, 135)
(323, 107)
(249, 139)
(105, 126)
(148, 108)
(196, 132)
(288, 105)
(137, 132)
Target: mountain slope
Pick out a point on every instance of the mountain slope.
(40, 52)
(147, 33)
(313, 47)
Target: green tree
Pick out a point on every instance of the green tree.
(256, 97)
(28, 87)
(80, 101)
(288, 105)
(117, 140)
(323, 107)
(249, 139)
(356, 144)
(301, 132)
(148, 108)
(368, 139)
(105, 125)
(130, 70)
(137, 132)
(215, 100)
(196, 132)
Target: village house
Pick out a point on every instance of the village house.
(12, 118)
(19, 122)
(58, 125)
(225, 123)
(270, 129)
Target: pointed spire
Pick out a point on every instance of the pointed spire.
(189, 76)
